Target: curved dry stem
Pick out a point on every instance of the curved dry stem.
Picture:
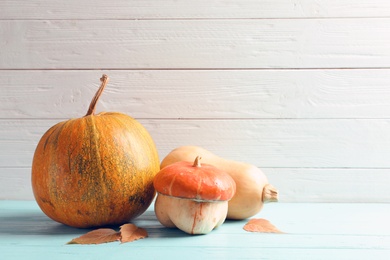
(270, 194)
(92, 106)
(197, 162)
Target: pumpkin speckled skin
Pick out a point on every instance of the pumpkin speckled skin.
(94, 171)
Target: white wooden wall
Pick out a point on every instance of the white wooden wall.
(300, 88)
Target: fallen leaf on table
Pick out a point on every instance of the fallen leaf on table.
(130, 233)
(261, 225)
(98, 236)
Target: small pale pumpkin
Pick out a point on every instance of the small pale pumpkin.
(96, 170)
(192, 197)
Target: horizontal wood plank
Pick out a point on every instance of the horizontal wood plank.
(211, 94)
(16, 184)
(315, 231)
(294, 184)
(331, 185)
(269, 143)
(200, 9)
(135, 44)
(193, 252)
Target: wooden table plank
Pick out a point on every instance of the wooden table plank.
(313, 231)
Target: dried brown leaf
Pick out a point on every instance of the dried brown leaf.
(130, 233)
(261, 225)
(98, 236)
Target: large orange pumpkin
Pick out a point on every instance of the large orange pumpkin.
(96, 170)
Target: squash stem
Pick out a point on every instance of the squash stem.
(197, 162)
(92, 106)
(270, 194)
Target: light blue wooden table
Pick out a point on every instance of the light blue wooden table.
(313, 231)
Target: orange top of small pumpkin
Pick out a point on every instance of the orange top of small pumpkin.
(194, 181)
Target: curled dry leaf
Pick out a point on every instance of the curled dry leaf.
(130, 233)
(127, 233)
(98, 236)
(261, 225)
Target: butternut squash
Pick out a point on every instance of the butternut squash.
(252, 187)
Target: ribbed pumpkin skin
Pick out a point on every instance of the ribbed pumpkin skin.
(94, 171)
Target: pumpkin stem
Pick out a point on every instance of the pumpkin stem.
(92, 106)
(270, 194)
(197, 162)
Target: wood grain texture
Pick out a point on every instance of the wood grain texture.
(310, 143)
(200, 9)
(206, 44)
(171, 94)
(313, 231)
(309, 185)
(16, 183)
(299, 88)
(331, 184)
